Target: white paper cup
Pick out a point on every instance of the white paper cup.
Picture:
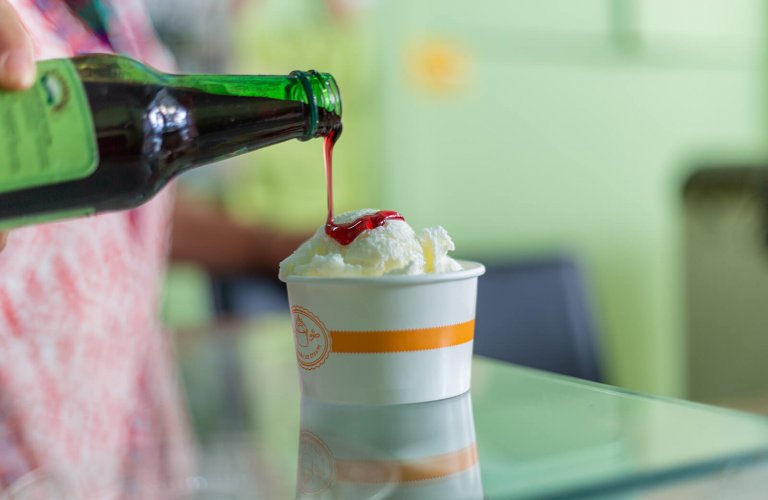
(385, 340)
(416, 451)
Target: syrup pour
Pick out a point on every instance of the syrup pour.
(345, 234)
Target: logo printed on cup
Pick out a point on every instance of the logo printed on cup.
(313, 344)
(317, 470)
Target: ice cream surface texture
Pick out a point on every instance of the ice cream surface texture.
(393, 248)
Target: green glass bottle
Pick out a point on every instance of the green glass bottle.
(101, 132)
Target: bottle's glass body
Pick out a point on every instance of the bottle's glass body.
(150, 126)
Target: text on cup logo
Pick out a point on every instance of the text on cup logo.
(313, 343)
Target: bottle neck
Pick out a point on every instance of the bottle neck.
(316, 93)
(324, 102)
(230, 115)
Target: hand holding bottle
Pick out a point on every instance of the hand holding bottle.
(17, 61)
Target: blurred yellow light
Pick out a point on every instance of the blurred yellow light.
(438, 65)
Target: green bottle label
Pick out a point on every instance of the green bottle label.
(46, 132)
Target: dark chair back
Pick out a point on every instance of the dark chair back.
(248, 296)
(537, 314)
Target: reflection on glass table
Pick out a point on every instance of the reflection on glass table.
(420, 451)
(535, 434)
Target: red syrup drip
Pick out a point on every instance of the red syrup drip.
(345, 234)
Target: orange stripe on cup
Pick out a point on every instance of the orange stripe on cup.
(403, 471)
(402, 340)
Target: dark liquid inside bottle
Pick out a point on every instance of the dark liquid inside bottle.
(147, 134)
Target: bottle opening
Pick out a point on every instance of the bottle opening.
(324, 100)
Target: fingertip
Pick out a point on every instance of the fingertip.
(17, 69)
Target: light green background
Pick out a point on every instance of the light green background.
(573, 131)
(567, 139)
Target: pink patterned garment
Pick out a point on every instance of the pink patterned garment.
(89, 406)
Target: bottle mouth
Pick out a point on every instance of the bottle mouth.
(324, 99)
(331, 93)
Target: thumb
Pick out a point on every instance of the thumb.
(17, 57)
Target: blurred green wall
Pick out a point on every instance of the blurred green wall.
(526, 128)
(288, 184)
(571, 130)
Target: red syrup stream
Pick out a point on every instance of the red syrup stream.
(345, 234)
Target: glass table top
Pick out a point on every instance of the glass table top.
(519, 433)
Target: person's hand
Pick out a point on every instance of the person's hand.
(17, 56)
(17, 59)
